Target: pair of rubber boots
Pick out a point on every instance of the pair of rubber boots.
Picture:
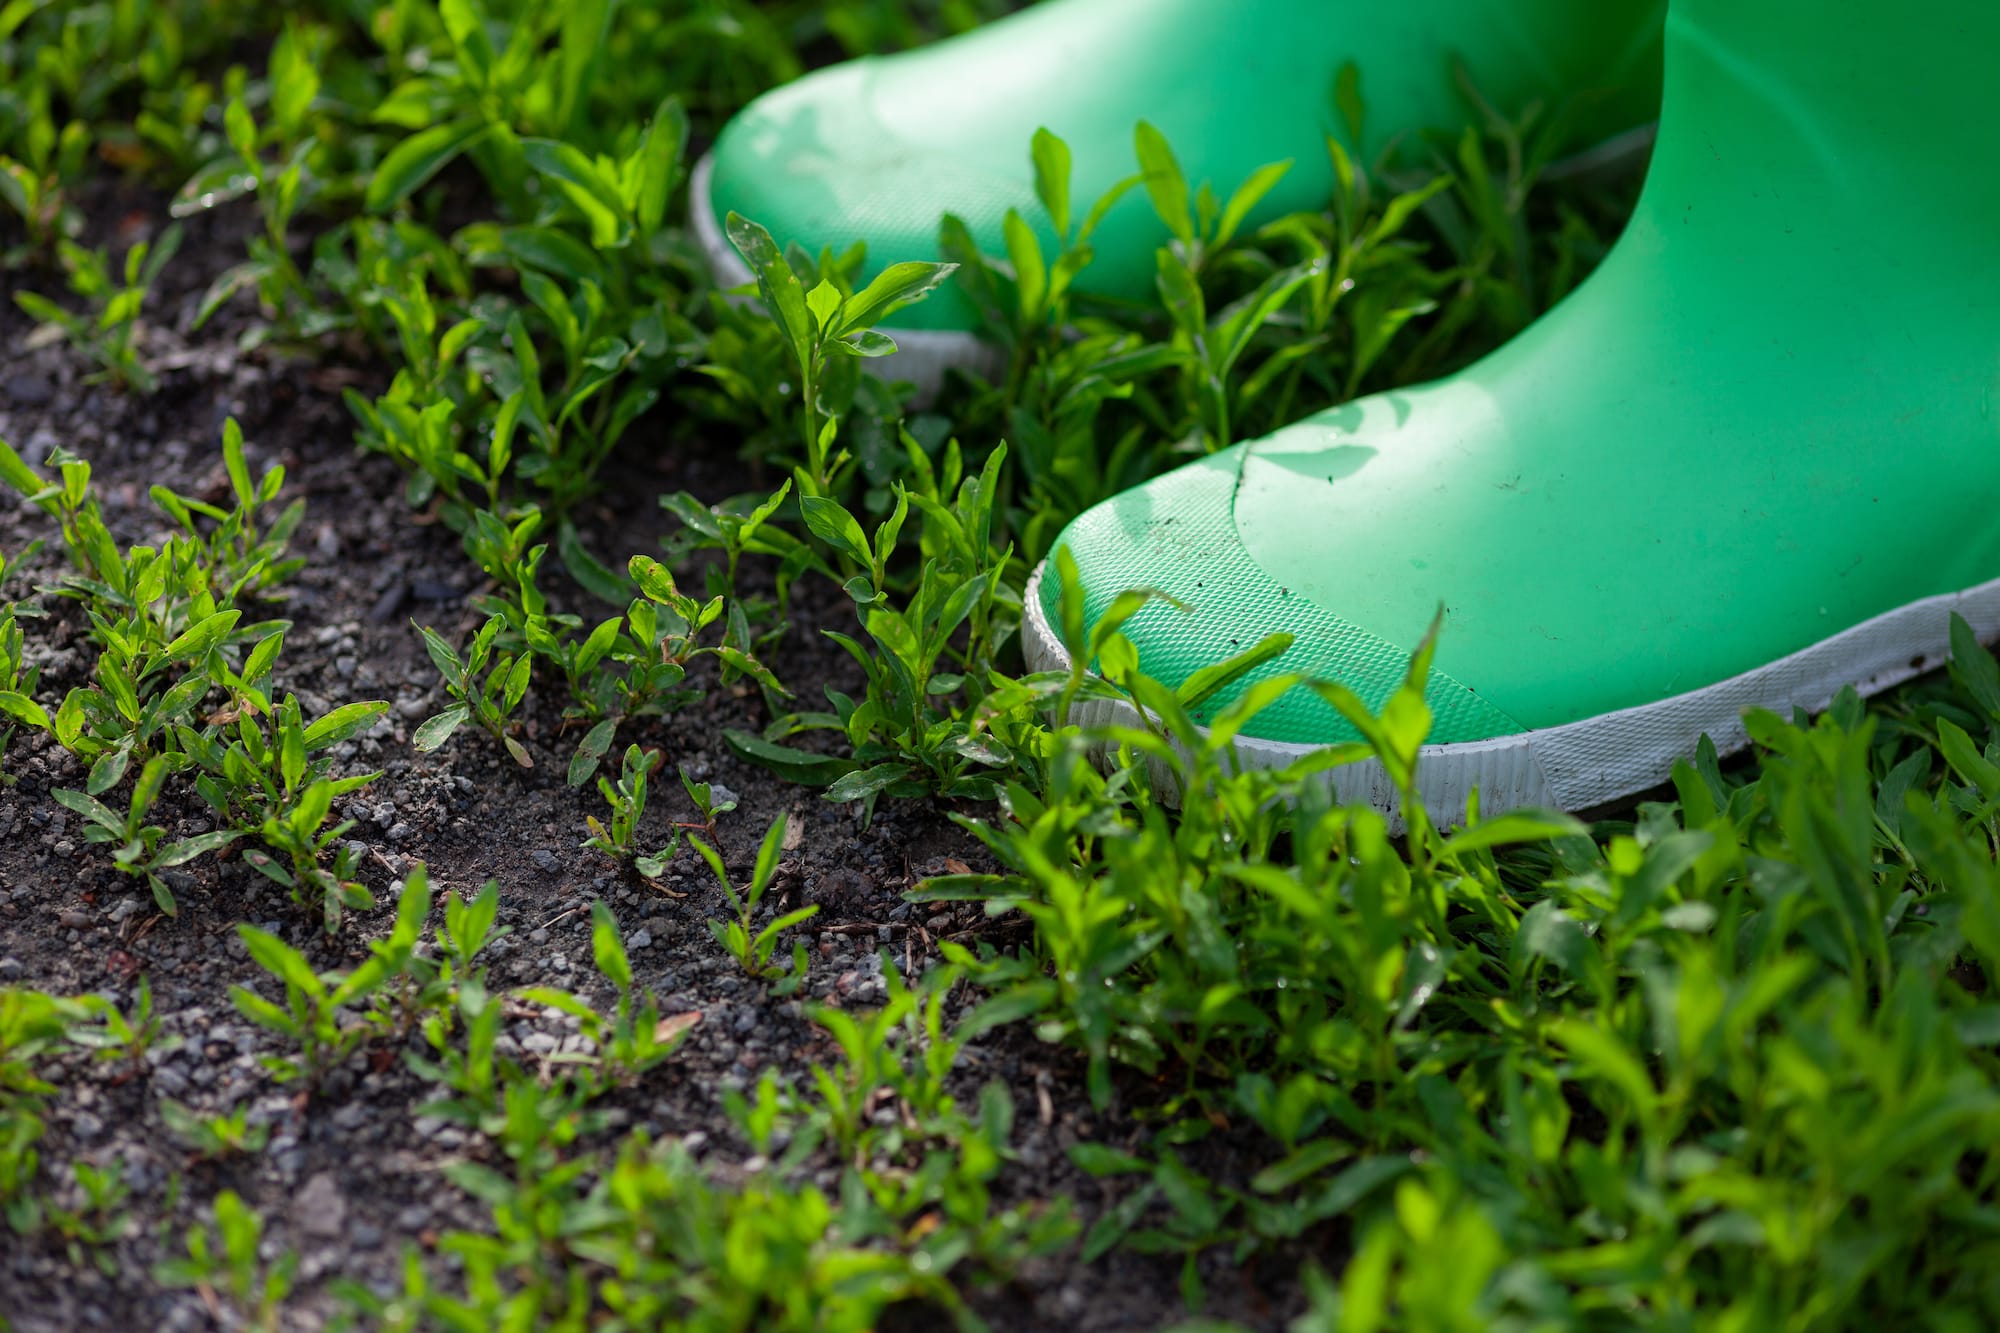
(1753, 459)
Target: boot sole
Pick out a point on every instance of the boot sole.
(1581, 765)
(922, 356)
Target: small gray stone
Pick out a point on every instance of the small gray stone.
(641, 939)
(11, 969)
(319, 1208)
(29, 390)
(545, 858)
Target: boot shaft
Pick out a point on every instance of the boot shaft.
(1786, 122)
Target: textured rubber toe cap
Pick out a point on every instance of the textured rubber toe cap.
(1178, 534)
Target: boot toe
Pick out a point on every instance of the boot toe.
(1178, 535)
(816, 164)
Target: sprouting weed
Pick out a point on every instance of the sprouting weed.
(109, 333)
(748, 945)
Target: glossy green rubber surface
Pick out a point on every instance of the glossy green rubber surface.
(1768, 417)
(880, 149)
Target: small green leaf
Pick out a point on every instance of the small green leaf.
(801, 766)
(832, 524)
(16, 704)
(1209, 681)
(866, 782)
(895, 287)
(1031, 274)
(1165, 184)
(591, 574)
(105, 773)
(654, 579)
(1051, 157)
(738, 660)
(608, 947)
(201, 637)
(783, 295)
(591, 751)
(1100, 1160)
(187, 849)
(412, 163)
(437, 730)
(1973, 667)
(343, 722)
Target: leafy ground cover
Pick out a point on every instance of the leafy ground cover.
(523, 807)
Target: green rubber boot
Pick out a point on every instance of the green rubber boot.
(1750, 461)
(879, 150)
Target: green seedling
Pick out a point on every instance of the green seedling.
(553, 420)
(274, 784)
(137, 845)
(223, 1261)
(1034, 320)
(20, 679)
(97, 1221)
(214, 1138)
(468, 928)
(452, 991)
(154, 612)
(109, 334)
(905, 1052)
(906, 734)
(737, 528)
(653, 648)
(99, 1026)
(37, 197)
(317, 1016)
(823, 326)
(489, 702)
(243, 554)
(627, 799)
(280, 191)
(761, 1119)
(419, 421)
(118, 84)
(750, 947)
(32, 1025)
(702, 794)
(635, 1039)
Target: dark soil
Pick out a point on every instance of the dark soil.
(352, 1177)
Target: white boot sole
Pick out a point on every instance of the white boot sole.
(1585, 764)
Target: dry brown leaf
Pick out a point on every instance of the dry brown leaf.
(674, 1025)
